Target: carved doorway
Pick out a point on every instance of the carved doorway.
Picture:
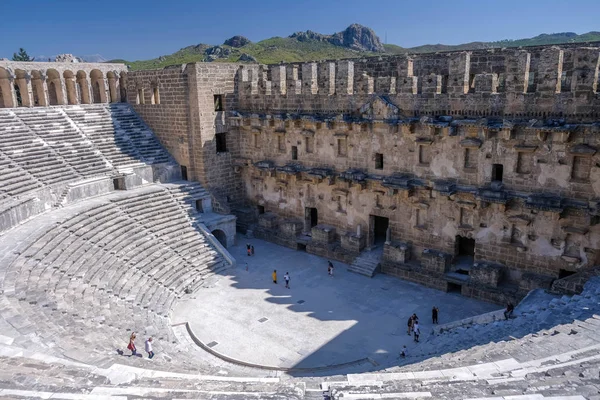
(378, 231)
(311, 218)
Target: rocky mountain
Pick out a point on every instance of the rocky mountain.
(237, 41)
(355, 37)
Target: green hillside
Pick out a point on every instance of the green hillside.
(290, 49)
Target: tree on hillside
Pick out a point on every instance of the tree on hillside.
(22, 56)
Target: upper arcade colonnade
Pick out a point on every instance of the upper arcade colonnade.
(33, 84)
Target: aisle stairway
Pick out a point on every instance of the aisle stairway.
(368, 262)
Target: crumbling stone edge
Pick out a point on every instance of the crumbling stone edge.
(223, 357)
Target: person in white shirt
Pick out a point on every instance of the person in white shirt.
(286, 277)
(404, 351)
(149, 348)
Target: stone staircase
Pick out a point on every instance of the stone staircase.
(368, 262)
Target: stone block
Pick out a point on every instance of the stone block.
(396, 252)
(291, 228)
(268, 220)
(486, 273)
(435, 261)
(353, 243)
(323, 233)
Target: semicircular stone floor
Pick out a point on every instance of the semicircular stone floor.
(320, 320)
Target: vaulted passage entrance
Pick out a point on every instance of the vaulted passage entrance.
(311, 218)
(379, 226)
(221, 237)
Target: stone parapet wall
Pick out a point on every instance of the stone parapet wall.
(558, 81)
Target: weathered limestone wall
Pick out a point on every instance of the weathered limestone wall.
(530, 82)
(179, 106)
(169, 115)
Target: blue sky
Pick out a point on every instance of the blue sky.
(134, 29)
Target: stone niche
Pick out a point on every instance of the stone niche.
(353, 243)
(267, 220)
(291, 228)
(531, 280)
(488, 274)
(323, 234)
(396, 252)
(435, 261)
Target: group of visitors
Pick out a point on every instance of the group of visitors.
(249, 249)
(286, 278)
(413, 327)
(148, 346)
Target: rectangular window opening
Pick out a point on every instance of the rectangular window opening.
(497, 172)
(218, 99)
(342, 147)
(281, 143)
(581, 168)
(184, 174)
(424, 154)
(378, 161)
(155, 96)
(309, 144)
(221, 139)
(294, 152)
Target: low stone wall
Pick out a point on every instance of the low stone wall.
(478, 319)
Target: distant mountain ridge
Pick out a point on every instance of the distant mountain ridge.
(354, 41)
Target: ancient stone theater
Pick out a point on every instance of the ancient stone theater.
(124, 193)
(475, 171)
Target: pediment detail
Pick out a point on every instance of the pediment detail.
(379, 108)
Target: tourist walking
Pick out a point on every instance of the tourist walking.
(131, 345)
(509, 310)
(330, 268)
(410, 325)
(248, 250)
(434, 314)
(252, 249)
(274, 276)
(416, 331)
(286, 277)
(246, 266)
(149, 348)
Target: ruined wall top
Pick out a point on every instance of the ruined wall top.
(556, 80)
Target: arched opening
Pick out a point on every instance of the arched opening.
(83, 88)
(22, 88)
(112, 86)
(123, 88)
(98, 89)
(221, 237)
(6, 98)
(55, 92)
(70, 87)
(37, 86)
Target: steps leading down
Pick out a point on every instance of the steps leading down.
(368, 262)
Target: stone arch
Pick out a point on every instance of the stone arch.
(55, 91)
(98, 89)
(123, 87)
(21, 85)
(84, 87)
(38, 89)
(70, 87)
(221, 237)
(6, 97)
(112, 86)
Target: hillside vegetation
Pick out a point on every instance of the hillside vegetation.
(355, 41)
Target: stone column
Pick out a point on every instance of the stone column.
(358, 233)
(388, 235)
(27, 97)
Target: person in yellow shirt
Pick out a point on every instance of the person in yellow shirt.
(274, 276)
